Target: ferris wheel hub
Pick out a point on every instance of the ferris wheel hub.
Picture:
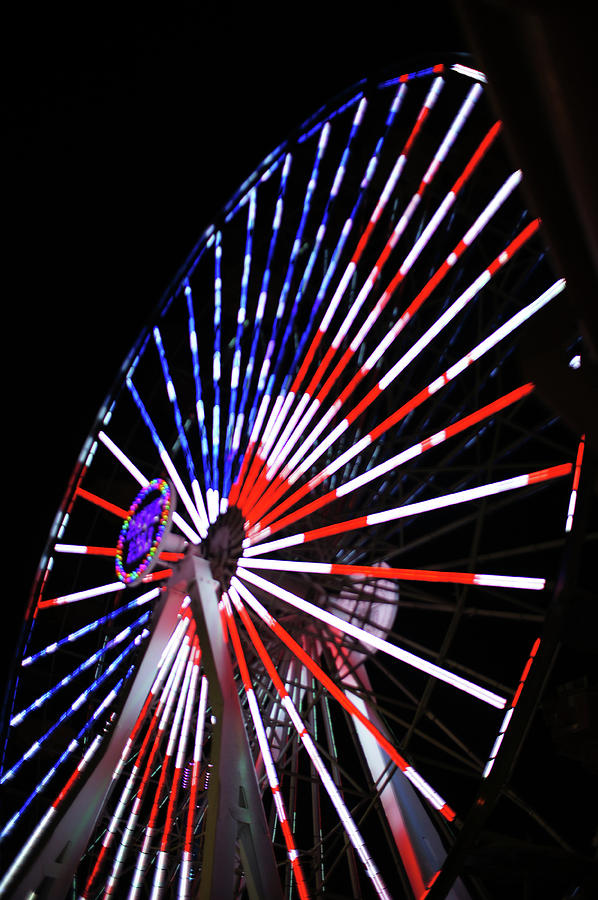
(224, 545)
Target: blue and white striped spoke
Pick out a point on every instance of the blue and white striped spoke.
(336, 368)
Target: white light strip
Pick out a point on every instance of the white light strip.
(365, 637)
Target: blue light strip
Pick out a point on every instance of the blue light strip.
(338, 178)
(260, 309)
(241, 317)
(346, 230)
(179, 424)
(266, 380)
(9, 773)
(201, 413)
(87, 629)
(90, 661)
(216, 363)
(68, 752)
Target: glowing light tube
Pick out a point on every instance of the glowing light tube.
(263, 528)
(148, 834)
(199, 406)
(162, 858)
(80, 700)
(143, 481)
(412, 509)
(184, 887)
(104, 504)
(509, 713)
(271, 773)
(239, 588)
(504, 331)
(86, 629)
(327, 781)
(98, 591)
(170, 390)
(575, 486)
(199, 522)
(236, 366)
(128, 831)
(155, 721)
(22, 857)
(372, 640)
(86, 664)
(431, 575)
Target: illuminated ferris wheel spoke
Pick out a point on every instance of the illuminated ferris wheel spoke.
(163, 684)
(575, 486)
(187, 852)
(285, 447)
(199, 404)
(278, 487)
(91, 689)
(264, 744)
(172, 396)
(431, 575)
(275, 521)
(236, 362)
(102, 503)
(327, 781)
(129, 828)
(80, 669)
(412, 509)
(197, 519)
(502, 332)
(174, 789)
(372, 640)
(266, 377)
(143, 481)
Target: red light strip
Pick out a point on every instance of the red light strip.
(575, 486)
(381, 469)
(259, 460)
(509, 713)
(368, 639)
(410, 509)
(162, 858)
(394, 574)
(173, 693)
(294, 469)
(292, 851)
(281, 452)
(143, 856)
(327, 781)
(104, 504)
(165, 669)
(184, 882)
(321, 676)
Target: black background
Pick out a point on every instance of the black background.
(126, 133)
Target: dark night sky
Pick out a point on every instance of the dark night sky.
(125, 135)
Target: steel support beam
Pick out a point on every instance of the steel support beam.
(236, 821)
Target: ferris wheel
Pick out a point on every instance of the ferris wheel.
(289, 607)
